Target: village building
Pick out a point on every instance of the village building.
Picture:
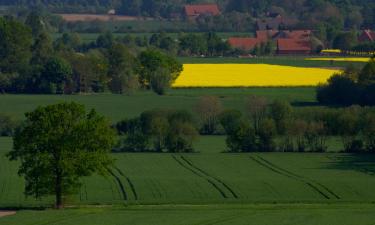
(288, 42)
(288, 46)
(194, 11)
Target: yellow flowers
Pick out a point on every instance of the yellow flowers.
(331, 51)
(250, 75)
(351, 59)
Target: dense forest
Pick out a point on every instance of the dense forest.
(310, 13)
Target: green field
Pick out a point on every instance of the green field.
(298, 61)
(209, 188)
(117, 107)
(262, 214)
(88, 37)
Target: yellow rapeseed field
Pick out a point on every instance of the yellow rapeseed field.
(250, 75)
(347, 59)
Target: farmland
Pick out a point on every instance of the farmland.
(242, 75)
(214, 187)
(117, 107)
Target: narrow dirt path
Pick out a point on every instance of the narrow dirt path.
(7, 213)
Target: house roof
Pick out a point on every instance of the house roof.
(243, 43)
(196, 10)
(287, 44)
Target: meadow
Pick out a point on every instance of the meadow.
(209, 187)
(117, 107)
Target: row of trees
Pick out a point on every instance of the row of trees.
(352, 86)
(343, 14)
(30, 62)
(158, 130)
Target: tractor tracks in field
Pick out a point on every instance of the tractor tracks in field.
(130, 183)
(323, 190)
(224, 190)
(120, 184)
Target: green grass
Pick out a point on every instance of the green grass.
(89, 37)
(117, 107)
(286, 214)
(298, 61)
(212, 178)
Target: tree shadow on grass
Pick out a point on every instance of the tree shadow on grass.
(364, 163)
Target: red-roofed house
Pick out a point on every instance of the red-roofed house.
(193, 11)
(243, 43)
(288, 46)
(367, 36)
(292, 42)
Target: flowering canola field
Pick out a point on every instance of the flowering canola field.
(250, 75)
(344, 59)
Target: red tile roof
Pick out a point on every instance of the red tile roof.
(287, 44)
(243, 43)
(196, 10)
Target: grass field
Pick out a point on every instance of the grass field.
(88, 37)
(117, 107)
(262, 214)
(279, 60)
(209, 188)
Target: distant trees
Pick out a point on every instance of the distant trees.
(58, 145)
(351, 87)
(158, 130)
(158, 70)
(31, 62)
(209, 108)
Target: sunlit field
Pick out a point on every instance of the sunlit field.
(351, 59)
(250, 75)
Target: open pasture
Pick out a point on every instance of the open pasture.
(260, 214)
(250, 75)
(212, 178)
(117, 107)
(96, 17)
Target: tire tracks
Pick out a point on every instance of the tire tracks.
(219, 185)
(131, 185)
(120, 184)
(214, 178)
(316, 186)
(213, 184)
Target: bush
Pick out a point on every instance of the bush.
(7, 125)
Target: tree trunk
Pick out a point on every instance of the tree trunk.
(58, 192)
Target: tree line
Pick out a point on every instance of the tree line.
(327, 13)
(352, 86)
(261, 126)
(31, 62)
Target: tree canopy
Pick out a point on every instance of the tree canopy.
(59, 144)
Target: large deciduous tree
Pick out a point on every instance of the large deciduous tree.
(158, 70)
(59, 144)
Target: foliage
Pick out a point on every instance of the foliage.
(209, 108)
(156, 65)
(58, 145)
(169, 130)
